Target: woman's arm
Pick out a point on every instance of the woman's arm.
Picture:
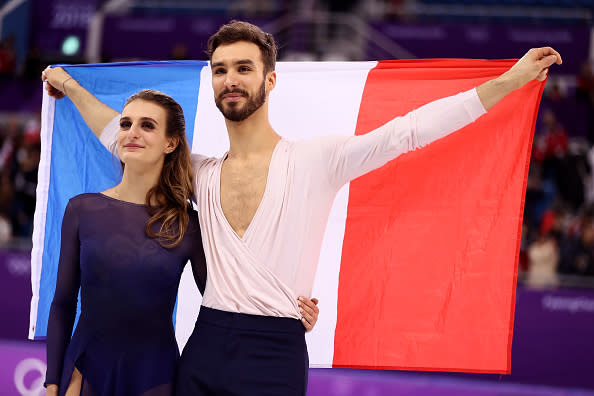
(95, 113)
(198, 259)
(63, 308)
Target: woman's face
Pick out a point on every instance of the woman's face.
(142, 138)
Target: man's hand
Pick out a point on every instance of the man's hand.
(533, 65)
(55, 79)
(309, 312)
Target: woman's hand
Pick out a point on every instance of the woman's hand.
(55, 79)
(309, 312)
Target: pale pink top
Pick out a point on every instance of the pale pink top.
(275, 261)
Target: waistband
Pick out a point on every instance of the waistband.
(250, 322)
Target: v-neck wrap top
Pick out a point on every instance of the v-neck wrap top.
(275, 261)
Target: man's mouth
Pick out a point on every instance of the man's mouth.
(233, 96)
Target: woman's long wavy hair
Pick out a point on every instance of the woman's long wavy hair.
(169, 200)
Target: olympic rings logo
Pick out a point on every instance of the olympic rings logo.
(23, 369)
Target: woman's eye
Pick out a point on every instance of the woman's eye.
(124, 125)
(219, 71)
(148, 125)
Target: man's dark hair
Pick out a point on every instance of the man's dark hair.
(236, 31)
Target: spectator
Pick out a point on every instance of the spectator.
(33, 64)
(6, 198)
(577, 252)
(10, 136)
(543, 259)
(555, 95)
(7, 58)
(179, 52)
(585, 84)
(25, 184)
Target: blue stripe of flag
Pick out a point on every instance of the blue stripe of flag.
(79, 163)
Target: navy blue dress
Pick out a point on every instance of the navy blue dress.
(124, 342)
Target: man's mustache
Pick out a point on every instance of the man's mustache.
(234, 90)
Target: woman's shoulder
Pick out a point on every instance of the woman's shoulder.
(81, 203)
(85, 197)
(81, 199)
(98, 202)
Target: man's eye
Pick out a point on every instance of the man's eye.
(220, 71)
(244, 69)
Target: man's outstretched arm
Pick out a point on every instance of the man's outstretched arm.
(533, 65)
(95, 113)
(350, 157)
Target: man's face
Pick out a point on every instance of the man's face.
(238, 81)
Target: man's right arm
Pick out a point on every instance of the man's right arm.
(96, 114)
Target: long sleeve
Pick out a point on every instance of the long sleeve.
(63, 308)
(351, 157)
(109, 134)
(198, 261)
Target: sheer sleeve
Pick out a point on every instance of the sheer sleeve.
(198, 263)
(63, 308)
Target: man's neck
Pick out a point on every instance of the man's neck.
(252, 137)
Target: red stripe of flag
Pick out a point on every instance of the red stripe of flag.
(429, 261)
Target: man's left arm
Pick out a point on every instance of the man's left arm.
(351, 157)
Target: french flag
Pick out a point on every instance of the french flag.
(418, 266)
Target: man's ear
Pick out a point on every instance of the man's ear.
(270, 81)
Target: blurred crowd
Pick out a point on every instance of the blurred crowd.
(20, 148)
(558, 228)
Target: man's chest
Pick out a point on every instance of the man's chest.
(242, 189)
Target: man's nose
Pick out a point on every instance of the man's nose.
(231, 80)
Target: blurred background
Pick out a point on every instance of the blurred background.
(553, 346)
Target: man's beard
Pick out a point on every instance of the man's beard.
(233, 112)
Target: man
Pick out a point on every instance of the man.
(264, 205)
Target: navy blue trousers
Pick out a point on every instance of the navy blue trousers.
(238, 354)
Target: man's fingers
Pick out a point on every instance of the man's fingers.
(548, 61)
(542, 75)
(549, 52)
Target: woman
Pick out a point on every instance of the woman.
(126, 248)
